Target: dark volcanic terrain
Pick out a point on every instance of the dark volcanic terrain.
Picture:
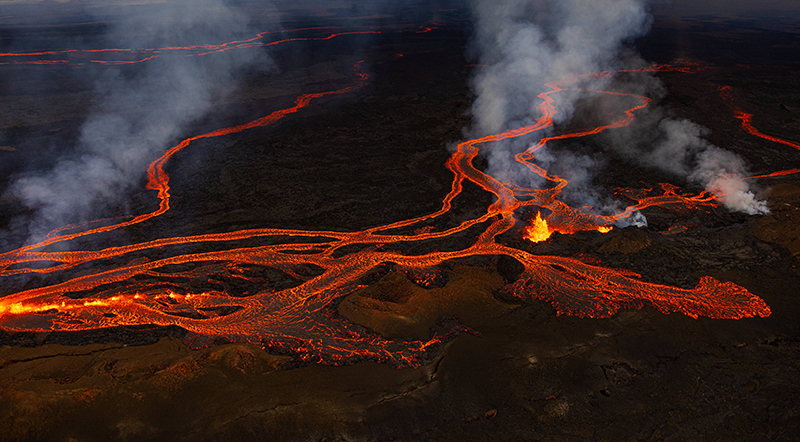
(375, 156)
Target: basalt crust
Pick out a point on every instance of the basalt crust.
(468, 295)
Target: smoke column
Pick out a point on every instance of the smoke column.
(522, 44)
(677, 146)
(139, 111)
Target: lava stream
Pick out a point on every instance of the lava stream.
(147, 54)
(300, 320)
(726, 93)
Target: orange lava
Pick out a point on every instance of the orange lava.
(225, 295)
(726, 92)
(77, 56)
(537, 231)
(746, 119)
(775, 174)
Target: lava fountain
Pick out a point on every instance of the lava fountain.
(538, 230)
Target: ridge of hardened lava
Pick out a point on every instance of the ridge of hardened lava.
(299, 320)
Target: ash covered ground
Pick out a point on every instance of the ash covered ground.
(378, 155)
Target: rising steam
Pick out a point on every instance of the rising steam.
(138, 112)
(523, 44)
(677, 146)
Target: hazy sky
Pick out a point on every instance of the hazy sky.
(19, 12)
(680, 6)
(668, 7)
(96, 2)
(724, 7)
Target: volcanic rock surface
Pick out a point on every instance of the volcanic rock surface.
(525, 373)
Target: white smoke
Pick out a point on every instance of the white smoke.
(523, 44)
(677, 146)
(721, 172)
(140, 110)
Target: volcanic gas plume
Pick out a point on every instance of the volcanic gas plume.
(522, 45)
(136, 115)
(328, 265)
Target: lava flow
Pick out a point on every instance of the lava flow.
(78, 57)
(726, 92)
(231, 295)
(747, 120)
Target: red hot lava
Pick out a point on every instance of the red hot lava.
(140, 55)
(192, 291)
(726, 92)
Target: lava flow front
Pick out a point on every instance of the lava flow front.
(301, 319)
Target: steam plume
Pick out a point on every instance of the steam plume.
(139, 111)
(678, 147)
(523, 44)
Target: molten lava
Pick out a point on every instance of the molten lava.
(538, 230)
(747, 119)
(228, 294)
(145, 54)
(726, 92)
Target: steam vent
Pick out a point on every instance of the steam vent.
(505, 220)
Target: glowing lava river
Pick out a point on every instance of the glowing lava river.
(299, 320)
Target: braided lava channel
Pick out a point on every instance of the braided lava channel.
(302, 320)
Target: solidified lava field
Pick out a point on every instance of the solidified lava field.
(326, 257)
